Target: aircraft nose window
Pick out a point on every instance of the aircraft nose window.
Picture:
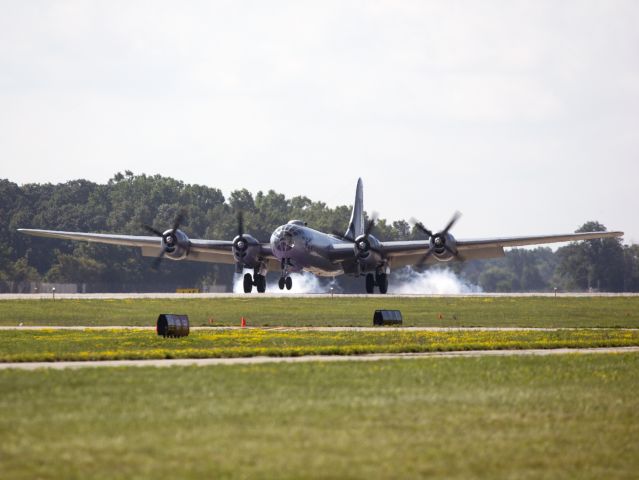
(282, 239)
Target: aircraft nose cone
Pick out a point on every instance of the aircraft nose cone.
(282, 240)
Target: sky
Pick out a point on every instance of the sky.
(523, 115)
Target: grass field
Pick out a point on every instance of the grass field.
(56, 345)
(572, 416)
(607, 312)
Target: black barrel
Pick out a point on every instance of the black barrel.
(172, 325)
(387, 317)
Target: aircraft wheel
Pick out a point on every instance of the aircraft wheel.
(289, 283)
(370, 283)
(248, 283)
(382, 282)
(260, 281)
(281, 283)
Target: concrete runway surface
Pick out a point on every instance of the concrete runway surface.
(310, 358)
(104, 296)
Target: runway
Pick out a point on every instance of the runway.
(117, 296)
(202, 362)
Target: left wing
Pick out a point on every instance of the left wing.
(214, 251)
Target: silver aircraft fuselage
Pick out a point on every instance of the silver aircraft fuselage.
(303, 248)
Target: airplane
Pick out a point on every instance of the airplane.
(295, 247)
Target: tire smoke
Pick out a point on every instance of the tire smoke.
(304, 282)
(434, 281)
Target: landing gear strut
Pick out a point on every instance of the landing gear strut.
(379, 280)
(285, 280)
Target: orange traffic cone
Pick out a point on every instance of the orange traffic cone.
(243, 324)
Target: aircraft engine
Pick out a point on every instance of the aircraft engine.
(443, 246)
(246, 250)
(364, 245)
(175, 244)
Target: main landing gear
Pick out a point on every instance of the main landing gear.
(256, 279)
(285, 282)
(379, 280)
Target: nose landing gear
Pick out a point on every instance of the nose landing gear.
(285, 280)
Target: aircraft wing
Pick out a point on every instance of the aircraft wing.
(404, 253)
(214, 251)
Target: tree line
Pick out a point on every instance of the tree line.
(128, 201)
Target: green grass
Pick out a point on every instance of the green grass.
(570, 416)
(607, 312)
(56, 345)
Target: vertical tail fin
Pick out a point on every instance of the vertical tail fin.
(356, 224)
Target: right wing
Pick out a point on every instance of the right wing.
(412, 252)
(403, 254)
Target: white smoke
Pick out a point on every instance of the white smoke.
(304, 282)
(434, 281)
(404, 282)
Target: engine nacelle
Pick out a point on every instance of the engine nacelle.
(365, 248)
(443, 246)
(246, 250)
(175, 244)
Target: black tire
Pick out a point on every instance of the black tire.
(382, 282)
(281, 283)
(289, 283)
(370, 283)
(260, 281)
(248, 283)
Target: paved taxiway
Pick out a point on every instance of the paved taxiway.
(310, 358)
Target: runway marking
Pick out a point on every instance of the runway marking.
(310, 358)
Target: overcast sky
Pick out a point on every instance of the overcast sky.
(522, 115)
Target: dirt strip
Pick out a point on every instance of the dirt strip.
(309, 358)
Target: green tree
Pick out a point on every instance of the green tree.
(592, 264)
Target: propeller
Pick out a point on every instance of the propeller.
(370, 225)
(240, 242)
(168, 238)
(438, 240)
